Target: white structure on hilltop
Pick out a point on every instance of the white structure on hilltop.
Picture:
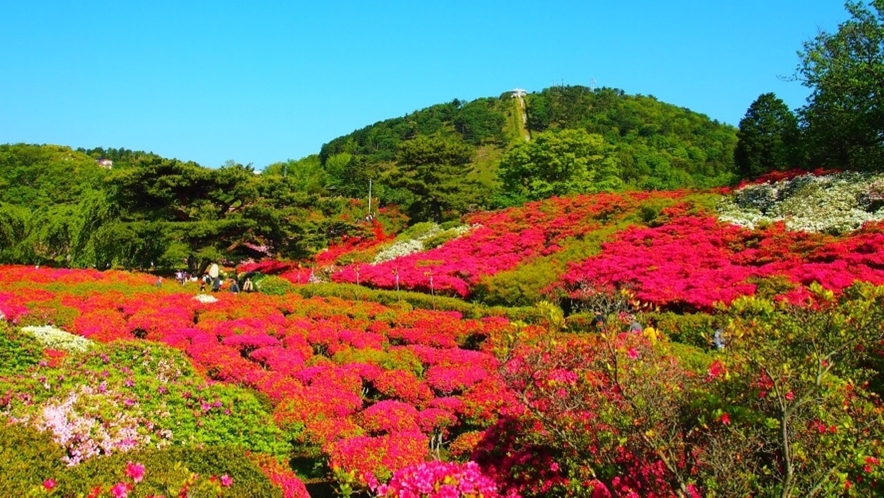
(518, 93)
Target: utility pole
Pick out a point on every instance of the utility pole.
(369, 198)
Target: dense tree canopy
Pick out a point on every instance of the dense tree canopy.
(659, 145)
(844, 116)
(768, 137)
(434, 171)
(40, 176)
(567, 162)
(60, 207)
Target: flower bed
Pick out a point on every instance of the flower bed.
(498, 242)
(698, 261)
(336, 371)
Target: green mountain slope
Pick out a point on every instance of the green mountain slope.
(654, 145)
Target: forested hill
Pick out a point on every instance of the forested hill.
(649, 144)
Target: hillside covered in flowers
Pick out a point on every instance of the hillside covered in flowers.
(408, 365)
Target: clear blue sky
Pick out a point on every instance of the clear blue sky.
(274, 80)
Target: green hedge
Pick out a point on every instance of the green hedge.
(414, 300)
(27, 458)
(18, 350)
(695, 329)
(167, 469)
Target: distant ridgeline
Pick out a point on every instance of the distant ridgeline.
(638, 142)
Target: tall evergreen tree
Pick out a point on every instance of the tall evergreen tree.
(767, 137)
(435, 172)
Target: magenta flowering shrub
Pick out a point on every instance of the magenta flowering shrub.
(389, 416)
(699, 261)
(447, 380)
(437, 480)
(402, 385)
(500, 241)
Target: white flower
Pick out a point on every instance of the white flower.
(55, 338)
(206, 298)
(834, 203)
(404, 247)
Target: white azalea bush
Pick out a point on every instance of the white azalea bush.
(206, 298)
(420, 237)
(834, 203)
(54, 338)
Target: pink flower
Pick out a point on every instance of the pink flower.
(632, 353)
(49, 484)
(121, 490)
(725, 419)
(135, 471)
(226, 480)
(790, 396)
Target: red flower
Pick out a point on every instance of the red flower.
(725, 419)
(49, 484)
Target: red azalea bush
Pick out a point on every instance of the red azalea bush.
(379, 456)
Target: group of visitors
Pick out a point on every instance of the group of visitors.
(212, 279)
(651, 331)
(247, 286)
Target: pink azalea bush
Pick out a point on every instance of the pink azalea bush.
(699, 261)
(500, 241)
(437, 480)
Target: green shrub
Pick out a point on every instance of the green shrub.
(440, 238)
(274, 286)
(691, 357)
(695, 329)
(18, 351)
(417, 231)
(168, 391)
(398, 359)
(27, 458)
(49, 312)
(167, 469)
(771, 286)
(413, 300)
